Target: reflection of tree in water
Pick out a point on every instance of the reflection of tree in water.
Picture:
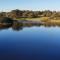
(17, 26)
(20, 25)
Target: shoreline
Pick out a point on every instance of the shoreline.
(42, 19)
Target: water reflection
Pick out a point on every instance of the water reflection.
(16, 25)
(30, 44)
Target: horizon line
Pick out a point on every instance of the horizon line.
(8, 10)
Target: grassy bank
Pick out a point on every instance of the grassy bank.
(42, 19)
(34, 19)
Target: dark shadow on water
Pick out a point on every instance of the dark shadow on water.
(19, 25)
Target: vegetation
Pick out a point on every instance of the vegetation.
(44, 16)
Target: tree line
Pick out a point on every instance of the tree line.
(30, 14)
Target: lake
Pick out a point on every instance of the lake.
(30, 43)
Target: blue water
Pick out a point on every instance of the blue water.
(30, 43)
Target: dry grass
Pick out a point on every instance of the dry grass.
(42, 19)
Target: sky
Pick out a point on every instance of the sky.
(7, 5)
